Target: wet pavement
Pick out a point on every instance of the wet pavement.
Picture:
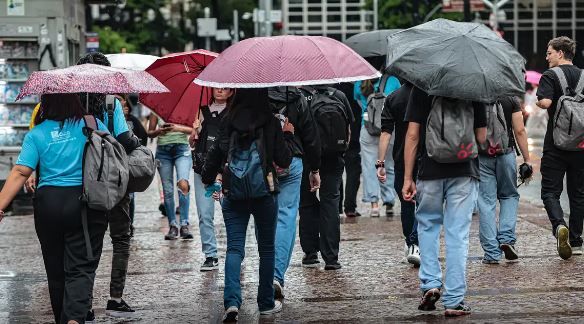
(375, 285)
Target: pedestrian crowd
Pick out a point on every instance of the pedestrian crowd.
(278, 154)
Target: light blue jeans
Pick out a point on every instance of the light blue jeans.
(447, 202)
(371, 185)
(498, 182)
(206, 213)
(288, 201)
(177, 156)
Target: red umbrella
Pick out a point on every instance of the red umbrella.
(262, 62)
(90, 78)
(177, 72)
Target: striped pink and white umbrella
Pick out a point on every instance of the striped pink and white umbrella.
(285, 61)
(91, 78)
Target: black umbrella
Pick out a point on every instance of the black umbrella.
(459, 60)
(372, 43)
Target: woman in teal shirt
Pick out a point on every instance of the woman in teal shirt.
(55, 147)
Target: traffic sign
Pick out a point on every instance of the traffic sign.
(206, 27)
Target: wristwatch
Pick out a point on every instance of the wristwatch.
(379, 164)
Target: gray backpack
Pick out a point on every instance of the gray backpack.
(568, 122)
(375, 103)
(497, 133)
(105, 168)
(450, 136)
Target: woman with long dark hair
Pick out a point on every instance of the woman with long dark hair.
(251, 142)
(205, 131)
(54, 147)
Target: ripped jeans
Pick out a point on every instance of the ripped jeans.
(179, 157)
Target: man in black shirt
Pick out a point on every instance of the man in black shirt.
(445, 193)
(556, 163)
(392, 119)
(499, 182)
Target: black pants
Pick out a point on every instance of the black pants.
(119, 222)
(554, 165)
(353, 181)
(320, 225)
(408, 208)
(70, 273)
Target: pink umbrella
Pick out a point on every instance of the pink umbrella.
(532, 77)
(177, 72)
(286, 61)
(90, 78)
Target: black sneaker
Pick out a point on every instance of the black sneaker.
(185, 233)
(278, 290)
(310, 260)
(459, 310)
(333, 266)
(210, 264)
(231, 315)
(172, 233)
(352, 214)
(162, 210)
(119, 310)
(388, 209)
(429, 299)
(510, 252)
(90, 317)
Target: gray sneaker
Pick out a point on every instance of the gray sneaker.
(576, 250)
(563, 243)
(172, 233)
(277, 308)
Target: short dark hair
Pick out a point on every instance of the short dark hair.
(564, 44)
(96, 101)
(59, 107)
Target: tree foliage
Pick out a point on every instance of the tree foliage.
(408, 13)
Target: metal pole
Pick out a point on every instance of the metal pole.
(207, 13)
(256, 26)
(496, 15)
(268, 17)
(516, 24)
(467, 14)
(235, 26)
(375, 14)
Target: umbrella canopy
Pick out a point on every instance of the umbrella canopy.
(532, 77)
(131, 61)
(459, 60)
(177, 72)
(90, 78)
(371, 43)
(263, 62)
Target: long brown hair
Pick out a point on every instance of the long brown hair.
(366, 88)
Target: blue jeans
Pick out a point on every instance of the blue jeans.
(447, 202)
(176, 156)
(288, 201)
(498, 182)
(236, 216)
(371, 185)
(206, 213)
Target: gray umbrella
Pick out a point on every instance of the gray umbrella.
(373, 43)
(458, 60)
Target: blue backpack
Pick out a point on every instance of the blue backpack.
(247, 178)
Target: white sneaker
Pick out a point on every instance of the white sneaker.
(374, 212)
(277, 308)
(278, 290)
(231, 315)
(576, 250)
(414, 255)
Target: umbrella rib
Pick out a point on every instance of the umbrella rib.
(325, 57)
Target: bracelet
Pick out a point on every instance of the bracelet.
(379, 164)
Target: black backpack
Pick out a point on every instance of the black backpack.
(207, 137)
(331, 117)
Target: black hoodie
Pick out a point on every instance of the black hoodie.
(306, 141)
(249, 112)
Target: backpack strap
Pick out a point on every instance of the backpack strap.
(382, 83)
(562, 77)
(110, 106)
(580, 86)
(90, 122)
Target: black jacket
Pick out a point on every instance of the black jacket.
(250, 112)
(306, 141)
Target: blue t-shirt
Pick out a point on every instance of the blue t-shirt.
(391, 85)
(120, 125)
(58, 150)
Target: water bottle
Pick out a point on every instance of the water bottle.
(216, 187)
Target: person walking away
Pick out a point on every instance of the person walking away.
(392, 121)
(55, 147)
(205, 132)
(109, 111)
(445, 192)
(287, 103)
(173, 152)
(251, 140)
(348, 196)
(319, 225)
(563, 79)
(498, 173)
(369, 143)
(136, 127)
